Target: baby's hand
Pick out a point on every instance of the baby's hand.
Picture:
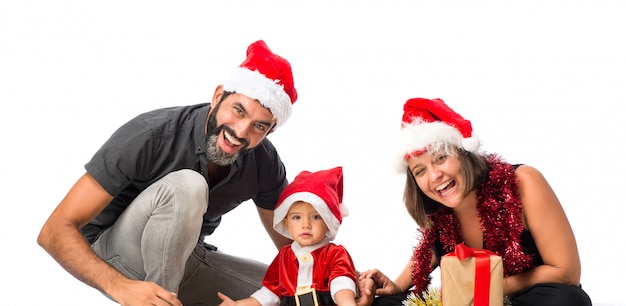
(366, 289)
(226, 301)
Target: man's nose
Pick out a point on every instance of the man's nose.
(242, 129)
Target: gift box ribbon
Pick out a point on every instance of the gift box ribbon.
(482, 277)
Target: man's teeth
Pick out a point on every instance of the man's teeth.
(443, 186)
(231, 139)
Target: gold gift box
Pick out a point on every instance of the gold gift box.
(458, 277)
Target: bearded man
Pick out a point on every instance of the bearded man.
(134, 225)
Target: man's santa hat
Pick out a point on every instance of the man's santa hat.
(323, 190)
(428, 123)
(266, 77)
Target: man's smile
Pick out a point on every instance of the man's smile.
(231, 140)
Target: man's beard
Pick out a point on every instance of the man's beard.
(213, 152)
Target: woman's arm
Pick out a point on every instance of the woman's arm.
(546, 221)
(404, 281)
(384, 285)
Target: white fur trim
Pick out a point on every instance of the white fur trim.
(305, 272)
(419, 135)
(341, 283)
(281, 211)
(257, 86)
(344, 210)
(471, 144)
(266, 297)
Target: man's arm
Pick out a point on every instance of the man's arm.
(61, 238)
(267, 218)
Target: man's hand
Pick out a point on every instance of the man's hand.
(134, 292)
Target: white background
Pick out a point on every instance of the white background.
(542, 81)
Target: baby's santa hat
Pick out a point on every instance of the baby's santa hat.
(323, 190)
(266, 77)
(427, 122)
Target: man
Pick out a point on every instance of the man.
(133, 225)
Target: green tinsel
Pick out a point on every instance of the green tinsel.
(432, 297)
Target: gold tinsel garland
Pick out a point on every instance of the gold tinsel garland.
(432, 297)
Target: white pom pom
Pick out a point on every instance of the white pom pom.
(471, 144)
(344, 210)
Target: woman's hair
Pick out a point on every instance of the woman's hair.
(474, 169)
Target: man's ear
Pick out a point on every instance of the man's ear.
(217, 95)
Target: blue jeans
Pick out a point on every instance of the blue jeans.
(156, 239)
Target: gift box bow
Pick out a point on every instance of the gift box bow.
(482, 277)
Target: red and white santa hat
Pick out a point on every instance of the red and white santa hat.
(266, 77)
(429, 122)
(323, 190)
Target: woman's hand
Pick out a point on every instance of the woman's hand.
(382, 283)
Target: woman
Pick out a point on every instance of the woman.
(458, 194)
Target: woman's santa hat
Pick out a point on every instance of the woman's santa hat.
(323, 190)
(266, 77)
(429, 122)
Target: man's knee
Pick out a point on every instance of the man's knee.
(187, 177)
(190, 186)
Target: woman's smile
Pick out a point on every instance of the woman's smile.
(446, 188)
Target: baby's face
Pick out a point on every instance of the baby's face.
(305, 224)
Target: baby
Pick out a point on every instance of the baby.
(312, 270)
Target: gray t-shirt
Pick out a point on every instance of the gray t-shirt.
(158, 142)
